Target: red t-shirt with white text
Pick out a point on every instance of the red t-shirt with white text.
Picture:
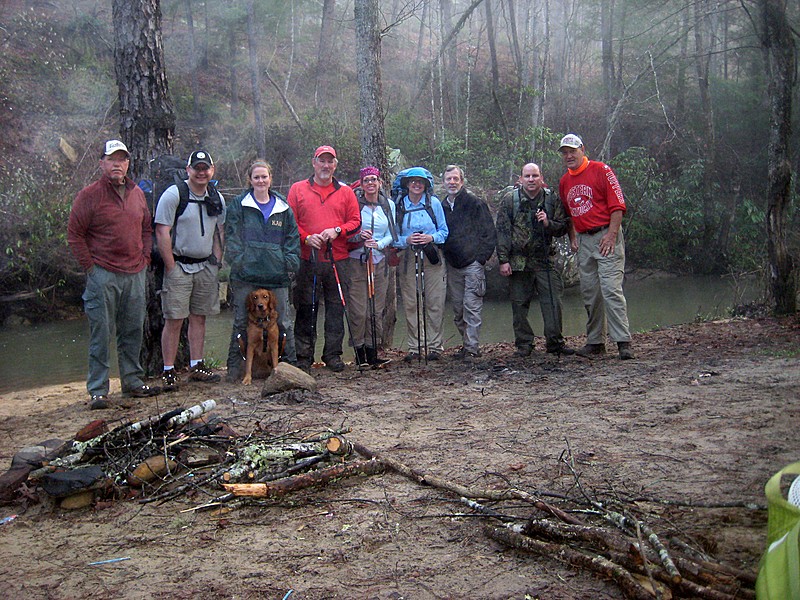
(591, 195)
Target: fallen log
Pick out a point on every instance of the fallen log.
(295, 483)
(443, 484)
(596, 564)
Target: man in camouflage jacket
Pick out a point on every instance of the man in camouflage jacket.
(529, 217)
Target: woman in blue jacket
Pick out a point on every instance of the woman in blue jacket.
(262, 248)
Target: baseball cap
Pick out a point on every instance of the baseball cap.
(571, 141)
(115, 146)
(323, 150)
(199, 156)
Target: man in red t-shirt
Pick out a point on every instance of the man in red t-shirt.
(327, 213)
(593, 199)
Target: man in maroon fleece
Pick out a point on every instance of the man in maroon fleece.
(109, 232)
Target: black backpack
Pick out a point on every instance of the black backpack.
(166, 171)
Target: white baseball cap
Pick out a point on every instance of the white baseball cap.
(115, 146)
(571, 141)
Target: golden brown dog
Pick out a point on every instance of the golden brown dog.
(261, 355)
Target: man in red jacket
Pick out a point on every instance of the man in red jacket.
(327, 213)
(593, 199)
(109, 232)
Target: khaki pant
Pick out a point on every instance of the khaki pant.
(601, 289)
(433, 278)
(358, 305)
(466, 288)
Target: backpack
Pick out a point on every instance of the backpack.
(399, 192)
(165, 171)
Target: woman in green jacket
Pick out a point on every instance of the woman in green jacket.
(263, 250)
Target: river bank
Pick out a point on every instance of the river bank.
(655, 299)
(691, 429)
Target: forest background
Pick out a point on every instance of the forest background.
(673, 94)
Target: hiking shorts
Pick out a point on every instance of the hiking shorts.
(190, 293)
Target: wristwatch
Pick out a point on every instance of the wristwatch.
(338, 230)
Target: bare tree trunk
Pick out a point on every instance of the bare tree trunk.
(421, 37)
(147, 120)
(780, 56)
(147, 116)
(708, 138)
(193, 59)
(607, 52)
(680, 102)
(370, 87)
(450, 71)
(233, 75)
(252, 46)
(541, 79)
(425, 75)
(324, 52)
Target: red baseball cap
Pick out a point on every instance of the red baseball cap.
(324, 150)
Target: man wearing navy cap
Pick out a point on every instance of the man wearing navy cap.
(189, 233)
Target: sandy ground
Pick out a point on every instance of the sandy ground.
(695, 426)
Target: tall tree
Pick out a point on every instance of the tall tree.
(147, 124)
(370, 87)
(324, 49)
(780, 56)
(194, 59)
(252, 44)
(147, 116)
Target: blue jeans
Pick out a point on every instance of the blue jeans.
(114, 301)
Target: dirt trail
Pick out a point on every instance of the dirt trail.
(703, 416)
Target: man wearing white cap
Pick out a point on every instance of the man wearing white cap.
(189, 233)
(109, 232)
(593, 198)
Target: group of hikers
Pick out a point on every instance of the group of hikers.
(345, 246)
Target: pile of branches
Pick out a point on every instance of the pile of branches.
(186, 453)
(590, 535)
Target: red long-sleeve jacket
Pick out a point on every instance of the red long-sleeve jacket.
(112, 232)
(318, 208)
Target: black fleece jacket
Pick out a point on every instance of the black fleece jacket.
(472, 234)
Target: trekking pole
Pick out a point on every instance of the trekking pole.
(329, 253)
(417, 285)
(421, 256)
(314, 261)
(371, 297)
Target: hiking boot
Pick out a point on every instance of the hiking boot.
(589, 350)
(563, 350)
(411, 357)
(170, 380)
(98, 402)
(361, 357)
(372, 358)
(522, 352)
(434, 355)
(304, 365)
(142, 391)
(625, 350)
(462, 352)
(471, 356)
(335, 364)
(199, 372)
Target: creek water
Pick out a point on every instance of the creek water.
(53, 353)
